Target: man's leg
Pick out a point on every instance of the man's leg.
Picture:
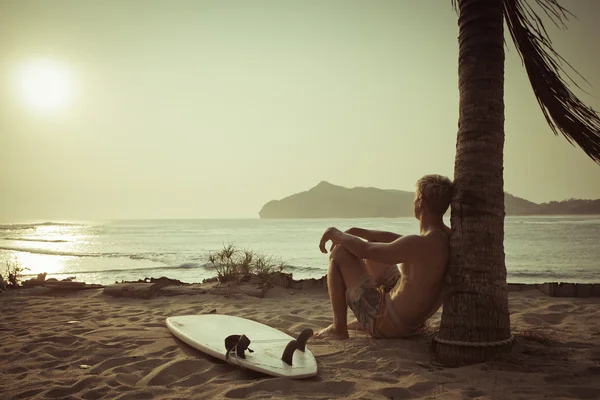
(386, 275)
(345, 271)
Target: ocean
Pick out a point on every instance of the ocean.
(538, 249)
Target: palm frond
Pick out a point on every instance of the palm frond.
(563, 111)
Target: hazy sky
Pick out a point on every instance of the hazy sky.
(212, 108)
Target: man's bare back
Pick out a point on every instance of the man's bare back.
(418, 294)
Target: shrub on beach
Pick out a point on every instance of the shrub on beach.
(234, 264)
(12, 279)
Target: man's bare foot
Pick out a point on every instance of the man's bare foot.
(331, 332)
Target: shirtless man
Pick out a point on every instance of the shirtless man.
(364, 276)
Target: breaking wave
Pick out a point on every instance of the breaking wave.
(206, 267)
(36, 240)
(52, 252)
(10, 227)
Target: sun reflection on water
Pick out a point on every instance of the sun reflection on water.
(45, 248)
(39, 263)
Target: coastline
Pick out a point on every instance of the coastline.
(537, 250)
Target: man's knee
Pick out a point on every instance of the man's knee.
(340, 254)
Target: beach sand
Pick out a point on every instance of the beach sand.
(87, 345)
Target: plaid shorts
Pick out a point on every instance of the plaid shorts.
(366, 298)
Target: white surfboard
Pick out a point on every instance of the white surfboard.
(207, 333)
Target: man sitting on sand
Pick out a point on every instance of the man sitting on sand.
(364, 276)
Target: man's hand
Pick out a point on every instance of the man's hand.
(330, 234)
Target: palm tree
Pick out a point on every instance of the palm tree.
(475, 321)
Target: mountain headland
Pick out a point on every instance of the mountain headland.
(327, 200)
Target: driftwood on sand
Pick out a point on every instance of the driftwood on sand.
(53, 283)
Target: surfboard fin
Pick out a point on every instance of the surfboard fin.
(288, 353)
(303, 338)
(298, 344)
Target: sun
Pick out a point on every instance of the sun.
(45, 85)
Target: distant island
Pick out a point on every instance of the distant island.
(331, 201)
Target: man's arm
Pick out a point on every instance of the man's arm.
(373, 235)
(399, 251)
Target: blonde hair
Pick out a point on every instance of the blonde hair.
(436, 192)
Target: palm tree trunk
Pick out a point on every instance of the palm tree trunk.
(475, 319)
